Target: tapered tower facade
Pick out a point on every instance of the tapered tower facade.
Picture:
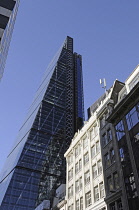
(36, 165)
(8, 12)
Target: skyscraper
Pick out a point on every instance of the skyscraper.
(36, 165)
(8, 12)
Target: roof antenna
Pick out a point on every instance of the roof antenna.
(103, 83)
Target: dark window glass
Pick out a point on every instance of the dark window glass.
(104, 139)
(109, 134)
(119, 205)
(112, 206)
(112, 155)
(120, 130)
(110, 184)
(107, 160)
(116, 180)
(133, 117)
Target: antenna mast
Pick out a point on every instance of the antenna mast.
(103, 83)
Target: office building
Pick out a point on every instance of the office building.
(8, 12)
(123, 188)
(102, 160)
(36, 165)
(119, 128)
(85, 180)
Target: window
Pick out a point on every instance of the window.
(76, 152)
(99, 164)
(80, 183)
(81, 203)
(102, 122)
(107, 160)
(94, 171)
(96, 193)
(93, 132)
(110, 184)
(76, 168)
(116, 180)
(87, 177)
(70, 191)
(104, 139)
(93, 151)
(121, 151)
(112, 156)
(101, 187)
(109, 134)
(80, 164)
(132, 117)
(77, 205)
(70, 174)
(119, 205)
(86, 158)
(70, 159)
(77, 187)
(85, 142)
(88, 199)
(97, 147)
(120, 130)
(112, 206)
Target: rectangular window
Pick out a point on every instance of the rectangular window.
(107, 160)
(80, 183)
(86, 158)
(85, 142)
(93, 152)
(112, 156)
(109, 135)
(87, 177)
(92, 134)
(116, 181)
(70, 159)
(94, 168)
(80, 164)
(77, 187)
(96, 194)
(120, 130)
(70, 191)
(110, 184)
(95, 130)
(99, 165)
(70, 174)
(97, 147)
(101, 187)
(88, 199)
(81, 203)
(119, 205)
(104, 139)
(76, 168)
(76, 151)
(77, 205)
(112, 206)
(121, 151)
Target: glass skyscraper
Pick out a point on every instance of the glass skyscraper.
(8, 12)
(36, 165)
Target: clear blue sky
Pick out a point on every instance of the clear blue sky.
(105, 32)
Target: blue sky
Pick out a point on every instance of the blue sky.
(106, 34)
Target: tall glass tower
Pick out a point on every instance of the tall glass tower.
(36, 165)
(8, 12)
